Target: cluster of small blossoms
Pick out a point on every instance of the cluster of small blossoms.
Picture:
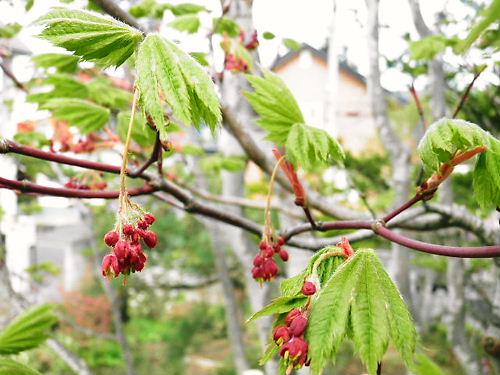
(265, 267)
(128, 255)
(253, 43)
(235, 63)
(290, 337)
(76, 183)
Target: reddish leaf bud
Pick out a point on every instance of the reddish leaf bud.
(111, 238)
(150, 239)
(346, 246)
(283, 255)
(309, 288)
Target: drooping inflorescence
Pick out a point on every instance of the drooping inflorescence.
(126, 241)
(265, 266)
(294, 348)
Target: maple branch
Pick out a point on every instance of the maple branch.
(449, 251)
(466, 93)
(403, 207)
(12, 77)
(378, 228)
(194, 206)
(239, 201)
(30, 187)
(7, 146)
(154, 157)
(418, 104)
(115, 11)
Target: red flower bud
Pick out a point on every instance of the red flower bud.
(284, 255)
(258, 273)
(280, 241)
(298, 326)
(262, 245)
(309, 288)
(128, 229)
(295, 349)
(150, 239)
(258, 260)
(111, 238)
(121, 250)
(149, 218)
(268, 251)
(270, 269)
(139, 265)
(292, 315)
(281, 335)
(143, 224)
(110, 266)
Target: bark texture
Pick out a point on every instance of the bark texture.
(398, 153)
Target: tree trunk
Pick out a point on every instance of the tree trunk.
(456, 326)
(233, 183)
(399, 154)
(234, 329)
(457, 334)
(330, 118)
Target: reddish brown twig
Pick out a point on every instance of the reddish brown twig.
(449, 251)
(154, 157)
(418, 104)
(191, 205)
(466, 93)
(12, 77)
(391, 215)
(30, 187)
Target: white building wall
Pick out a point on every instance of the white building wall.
(306, 78)
(18, 231)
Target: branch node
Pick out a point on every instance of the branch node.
(4, 146)
(377, 224)
(190, 206)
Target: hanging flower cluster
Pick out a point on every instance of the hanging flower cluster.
(126, 241)
(265, 267)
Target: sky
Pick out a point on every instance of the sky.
(306, 21)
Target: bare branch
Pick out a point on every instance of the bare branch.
(418, 104)
(115, 11)
(30, 187)
(465, 95)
